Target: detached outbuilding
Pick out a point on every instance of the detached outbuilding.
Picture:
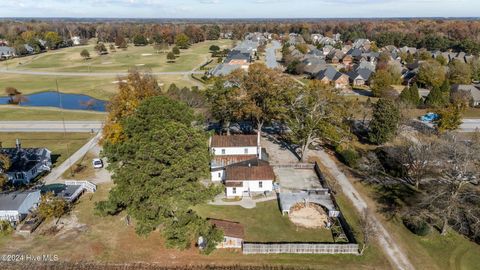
(15, 206)
(233, 233)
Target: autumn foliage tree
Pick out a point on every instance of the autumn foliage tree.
(131, 91)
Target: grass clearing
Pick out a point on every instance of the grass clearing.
(265, 223)
(18, 113)
(69, 59)
(61, 145)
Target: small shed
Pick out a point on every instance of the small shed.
(233, 233)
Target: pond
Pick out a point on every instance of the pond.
(58, 100)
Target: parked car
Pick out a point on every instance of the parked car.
(429, 117)
(97, 163)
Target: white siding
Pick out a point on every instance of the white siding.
(254, 186)
(238, 193)
(217, 175)
(250, 150)
(9, 215)
(230, 242)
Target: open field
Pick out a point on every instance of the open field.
(18, 113)
(109, 239)
(255, 221)
(61, 145)
(69, 59)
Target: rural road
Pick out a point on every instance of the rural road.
(55, 175)
(50, 126)
(90, 74)
(387, 243)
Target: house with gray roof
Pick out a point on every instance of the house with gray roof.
(223, 70)
(360, 76)
(473, 90)
(331, 76)
(26, 163)
(313, 65)
(6, 52)
(15, 206)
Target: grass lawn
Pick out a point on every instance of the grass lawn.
(69, 59)
(61, 145)
(18, 113)
(109, 239)
(82, 169)
(265, 223)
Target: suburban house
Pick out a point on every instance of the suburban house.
(331, 76)
(225, 69)
(473, 90)
(6, 52)
(248, 178)
(15, 206)
(228, 150)
(26, 163)
(360, 76)
(233, 233)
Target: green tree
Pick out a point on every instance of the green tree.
(5, 228)
(459, 72)
(157, 170)
(222, 101)
(431, 73)
(442, 60)
(171, 57)
(382, 82)
(438, 96)
(176, 50)
(450, 118)
(53, 40)
(5, 164)
(410, 95)
(316, 114)
(385, 120)
(214, 49)
(100, 48)
(182, 41)
(51, 206)
(85, 54)
(139, 40)
(120, 42)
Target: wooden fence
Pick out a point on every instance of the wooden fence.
(294, 165)
(299, 248)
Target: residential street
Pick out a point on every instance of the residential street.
(55, 175)
(395, 254)
(270, 53)
(468, 125)
(50, 126)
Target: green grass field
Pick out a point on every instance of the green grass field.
(61, 145)
(279, 227)
(17, 113)
(69, 59)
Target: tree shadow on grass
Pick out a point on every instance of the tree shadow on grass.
(393, 197)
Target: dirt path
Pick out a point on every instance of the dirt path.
(395, 254)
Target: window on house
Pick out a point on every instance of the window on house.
(223, 151)
(245, 150)
(234, 190)
(219, 174)
(260, 184)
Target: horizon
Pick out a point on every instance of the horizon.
(235, 9)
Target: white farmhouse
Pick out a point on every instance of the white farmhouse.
(227, 150)
(15, 206)
(249, 177)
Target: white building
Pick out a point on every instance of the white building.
(249, 177)
(15, 206)
(232, 149)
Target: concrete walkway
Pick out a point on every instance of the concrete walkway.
(245, 202)
(395, 254)
(55, 175)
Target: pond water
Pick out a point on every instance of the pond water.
(59, 100)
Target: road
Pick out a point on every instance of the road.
(50, 126)
(90, 74)
(387, 243)
(270, 53)
(55, 175)
(468, 125)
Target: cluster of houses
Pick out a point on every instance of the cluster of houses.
(7, 52)
(26, 165)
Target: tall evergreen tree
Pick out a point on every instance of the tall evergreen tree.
(436, 98)
(410, 96)
(384, 124)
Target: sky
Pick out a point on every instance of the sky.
(239, 8)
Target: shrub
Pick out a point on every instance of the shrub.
(416, 225)
(5, 228)
(348, 156)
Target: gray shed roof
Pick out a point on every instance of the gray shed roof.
(224, 69)
(13, 200)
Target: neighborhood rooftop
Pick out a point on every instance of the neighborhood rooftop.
(12, 201)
